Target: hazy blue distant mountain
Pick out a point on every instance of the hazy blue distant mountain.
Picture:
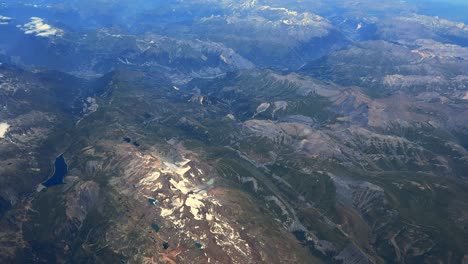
(452, 9)
(233, 131)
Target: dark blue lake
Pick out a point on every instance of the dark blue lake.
(61, 169)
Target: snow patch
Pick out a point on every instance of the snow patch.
(151, 179)
(3, 129)
(194, 201)
(359, 26)
(231, 117)
(90, 106)
(281, 9)
(466, 96)
(166, 212)
(124, 61)
(228, 238)
(223, 58)
(180, 168)
(182, 186)
(262, 108)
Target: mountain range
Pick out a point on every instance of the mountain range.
(233, 132)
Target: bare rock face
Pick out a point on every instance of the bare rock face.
(352, 255)
(79, 202)
(176, 204)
